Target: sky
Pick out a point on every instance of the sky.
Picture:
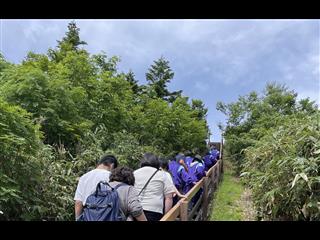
(212, 60)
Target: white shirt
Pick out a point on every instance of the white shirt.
(168, 176)
(152, 196)
(88, 183)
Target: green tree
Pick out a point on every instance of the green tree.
(251, 116)
(61, 111)
(158, 76)
(133, 82)
(198, 106)
(70, 42)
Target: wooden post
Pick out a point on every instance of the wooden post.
(221, 170)
(216, 176)
(205, 199)
(212, 181)
(184, 211)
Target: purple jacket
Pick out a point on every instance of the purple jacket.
(208, 162)
(188, 160)
(197, 171)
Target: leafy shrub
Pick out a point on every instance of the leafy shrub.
(283, 170)
(20, 169)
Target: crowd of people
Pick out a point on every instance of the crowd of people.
(145, 194)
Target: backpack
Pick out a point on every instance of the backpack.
(103, 204)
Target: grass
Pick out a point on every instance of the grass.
(227, 201)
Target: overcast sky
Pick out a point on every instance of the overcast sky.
(213, 60)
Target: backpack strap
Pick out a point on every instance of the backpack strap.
(148, 182)
(98, 188)
(120, 185)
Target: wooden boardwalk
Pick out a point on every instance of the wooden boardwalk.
(209, 184)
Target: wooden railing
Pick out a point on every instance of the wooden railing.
(199, 212)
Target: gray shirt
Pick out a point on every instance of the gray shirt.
(129, 201)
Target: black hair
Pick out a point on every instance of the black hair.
(179, 156)
(107, 160)
(187, 153)
(164, 163)
(197, 158)
(150, 160)
(122, 174)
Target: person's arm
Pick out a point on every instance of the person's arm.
(168, 202)
(141, 217)
(78, 207)
(134, 206)
(184, 165)
(179, 194)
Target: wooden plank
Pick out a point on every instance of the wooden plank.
(184, 210)
(194, 190)
(173, 213)
(199, 215)
(195, 207)
(212, 179)
(205, 198)
(209, 172)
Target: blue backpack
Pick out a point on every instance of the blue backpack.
(103, 204)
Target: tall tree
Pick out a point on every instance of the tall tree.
(133, 82)
(159, 75)
(72, 37)
(198, 106)
(70, 42)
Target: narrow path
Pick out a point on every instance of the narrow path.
(232, 201)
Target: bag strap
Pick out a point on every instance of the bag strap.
(148, 182)
(98, 188)
(120, 185)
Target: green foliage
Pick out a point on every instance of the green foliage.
(20, 169)
(283, 169)
(273, 140)
(252, 116)
(50, 97)
(3, 63)
(158, 76)
(61, 111)
(133, 82)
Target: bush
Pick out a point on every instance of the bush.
(20, 169)
(283, 170)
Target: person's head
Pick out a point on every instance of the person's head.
(122, 174)
(164, 164)
(197, 158)
(108, 162)
(150, 160)
(180, 157)
(187, 153)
